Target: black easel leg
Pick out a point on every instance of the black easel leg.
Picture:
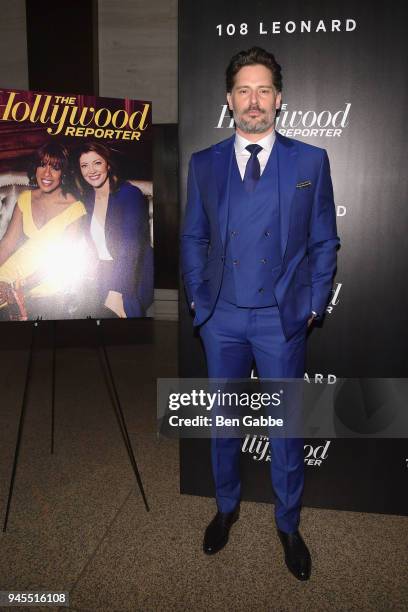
(54, 333)
(20, 425)
(120, 415)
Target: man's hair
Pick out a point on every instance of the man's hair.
(255, 55)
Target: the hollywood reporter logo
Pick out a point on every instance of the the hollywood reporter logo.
(335, 298)
(315, 455)
(305, 123)
(259, 449)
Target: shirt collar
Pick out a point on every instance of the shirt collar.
(266, 143)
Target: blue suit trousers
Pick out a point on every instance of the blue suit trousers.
(233, 338)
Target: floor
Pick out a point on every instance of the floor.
(78, 523)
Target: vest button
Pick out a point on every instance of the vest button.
(261, 290)
(267, 234)
(263, 261)
(222, 258)
(234, 233)
(235, 262)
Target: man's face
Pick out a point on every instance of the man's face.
(254, 100)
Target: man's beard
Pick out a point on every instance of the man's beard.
(254, 126)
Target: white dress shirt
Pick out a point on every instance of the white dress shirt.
(243, 155)
(98, 236)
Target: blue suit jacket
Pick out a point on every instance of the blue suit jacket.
(308, 233)
(128, 241)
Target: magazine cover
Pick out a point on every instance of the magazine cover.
(75, 207)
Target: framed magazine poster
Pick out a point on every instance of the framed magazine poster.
(76, 223)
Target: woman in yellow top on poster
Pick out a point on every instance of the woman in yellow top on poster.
(41, 255)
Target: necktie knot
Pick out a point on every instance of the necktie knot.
(254, 149)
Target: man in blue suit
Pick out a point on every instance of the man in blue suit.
(258, 252)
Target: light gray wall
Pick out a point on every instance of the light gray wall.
(138, 53)
(13, 45)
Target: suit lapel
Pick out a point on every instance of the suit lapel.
(222, 156)
(287, 168)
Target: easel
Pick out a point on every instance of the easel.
(113, 393)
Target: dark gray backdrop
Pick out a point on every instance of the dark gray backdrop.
(356, 77)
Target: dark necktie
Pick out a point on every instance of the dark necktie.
(252, 169)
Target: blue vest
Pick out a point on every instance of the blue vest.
(253, 248)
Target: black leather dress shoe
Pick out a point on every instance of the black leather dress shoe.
(297, 556)
(216, 534)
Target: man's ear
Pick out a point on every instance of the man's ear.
(278, 101)
(229, 101)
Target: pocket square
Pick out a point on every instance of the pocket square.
(303, 184)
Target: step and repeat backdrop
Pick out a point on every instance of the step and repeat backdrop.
(344, 89)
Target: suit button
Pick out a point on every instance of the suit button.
(263, 261)
(222, 258)
(267, 234)
(235, 262)
(234, 233)
(261, 290)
